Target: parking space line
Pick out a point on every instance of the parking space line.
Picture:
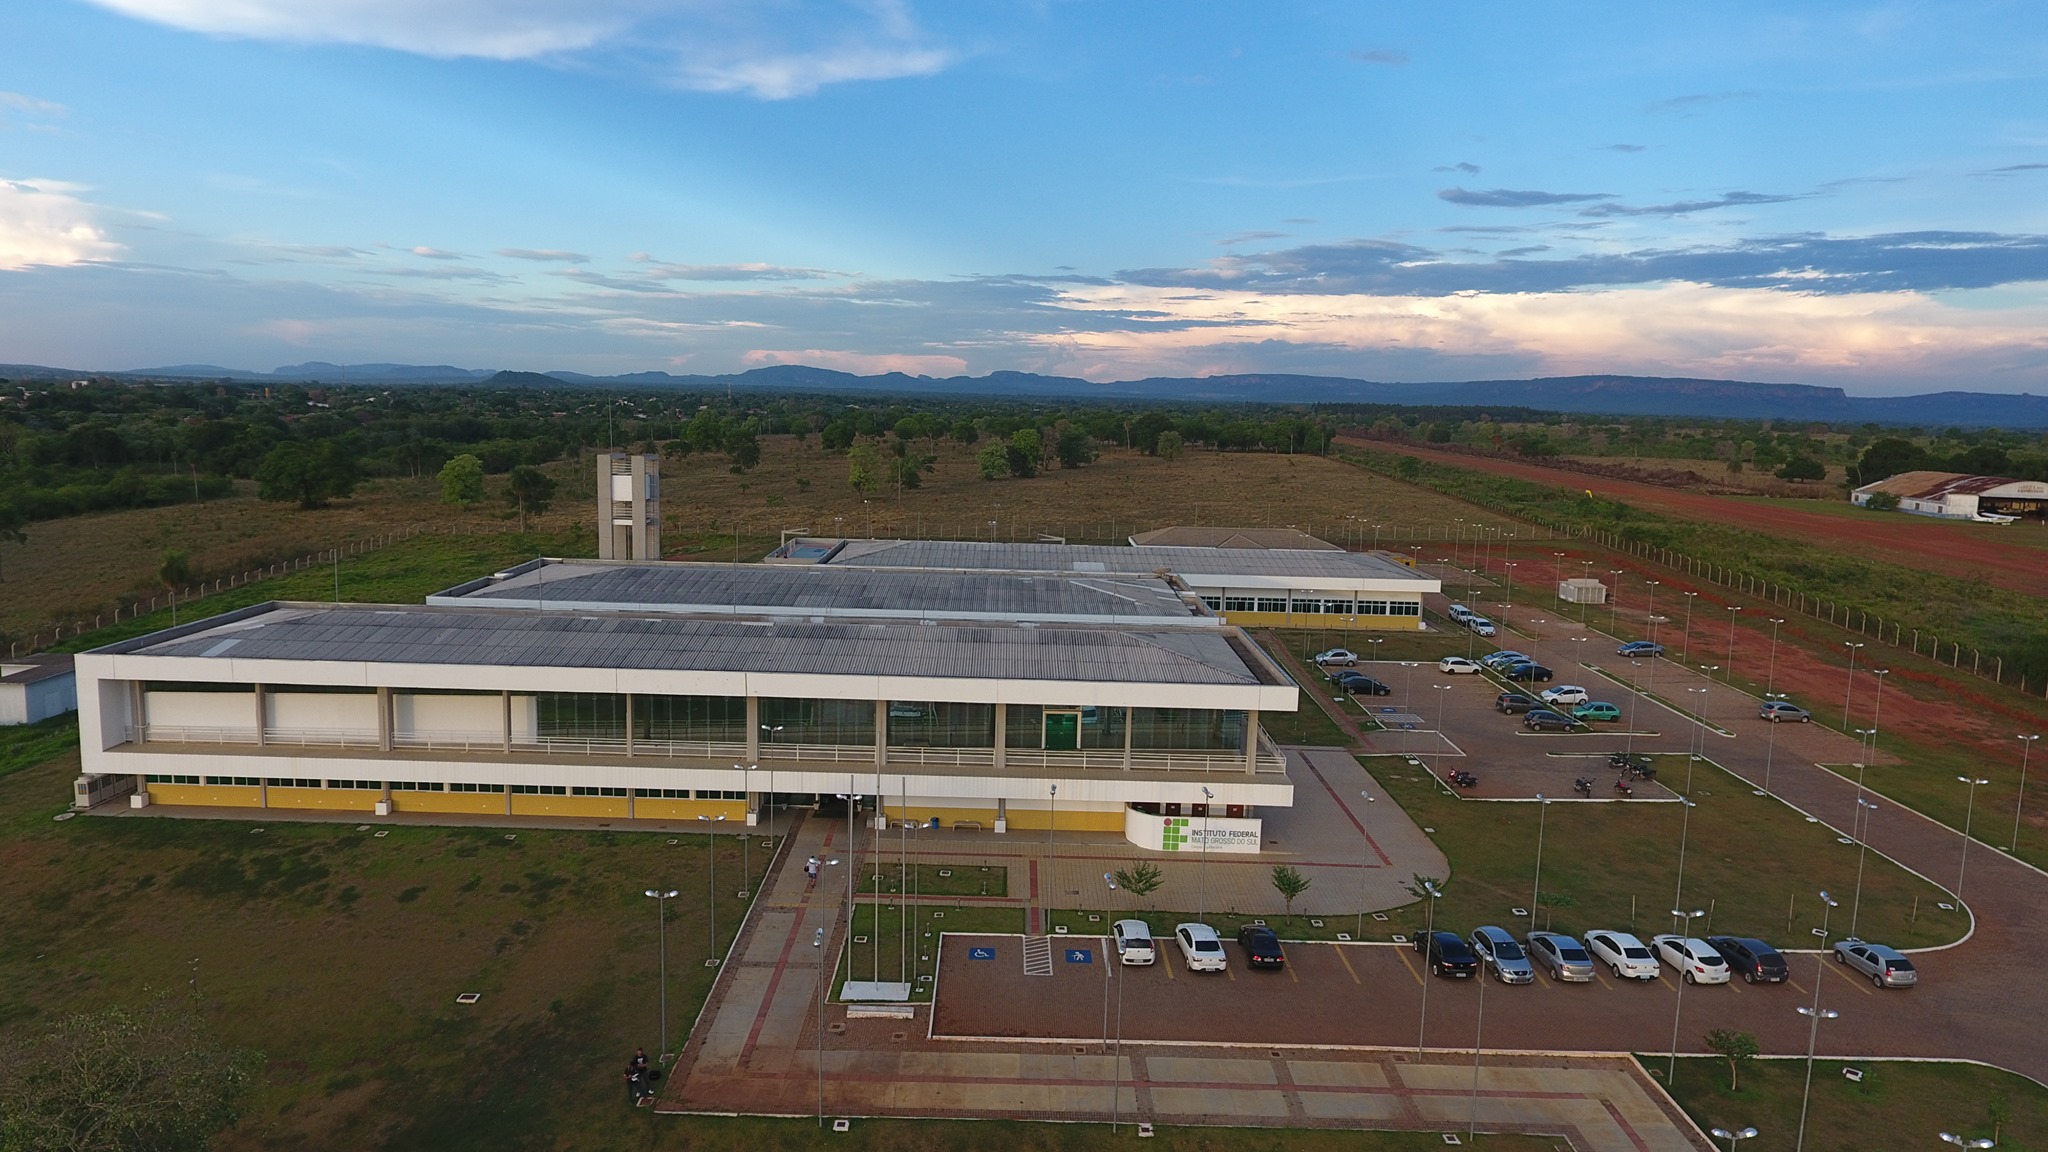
(1346, 960)
(1843, 971)
(1802, 989)
(1230, 972)
(1291, 975)
(1401, 954)
(1166, 961)
(1601, 979)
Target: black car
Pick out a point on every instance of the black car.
(1261, 946)
(1447, 954)
(1513, 702)
(1544, 720)
(1758, 962)
(1361, 685)
(1529, 673)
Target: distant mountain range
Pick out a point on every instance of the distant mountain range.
(1601, 395)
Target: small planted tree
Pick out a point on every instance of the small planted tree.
(1169, 445)
(462, 480)
(174, 571)
(1733, 1046)
(529, 489)
(1290, 883)
(864, 468)
(1141, 879)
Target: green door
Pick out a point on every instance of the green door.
(1062, 731)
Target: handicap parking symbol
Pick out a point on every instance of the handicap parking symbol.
(1080, 956)
(981, 953)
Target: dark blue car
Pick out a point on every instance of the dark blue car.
(1640, 648)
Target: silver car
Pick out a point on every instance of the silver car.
(1624, 953)
(1497, 950)
(1886, 967)
(1563, 957)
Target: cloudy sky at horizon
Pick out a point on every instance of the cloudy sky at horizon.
(1846, 194)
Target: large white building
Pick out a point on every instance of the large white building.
(1061, 692)
(1959, 496)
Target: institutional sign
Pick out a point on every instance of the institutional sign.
(1193, 833)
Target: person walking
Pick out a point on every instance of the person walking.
(811, 868)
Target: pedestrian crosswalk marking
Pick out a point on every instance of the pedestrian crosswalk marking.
(1037, 956)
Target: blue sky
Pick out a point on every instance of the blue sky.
(1849, 194)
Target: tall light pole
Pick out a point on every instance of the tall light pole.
(1430, 893)
(1614, 603)
(1876, 709)
(1733, 611)
(1536, 889)
(1053, 818)
(1732, 1136)
(1683, 922)
(1820, 973)
(1440, 727)
(1584, 605)
(1968, 813)
(712, 841)
(1863, 809)
(1962, 1142)
(1771, 675)
(1771, 750)
(1685, 641)
(1686, 805)
(824, 978)
(753, 814)
(2026, 750)
(1202, 903)
(1363, 873)
(1510, 566)
(1850, 690)
(1478, 1035)
(661, 899)
(1116, 1059)
(1699, 719)
(1560, 568)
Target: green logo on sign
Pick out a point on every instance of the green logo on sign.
(1174, 834)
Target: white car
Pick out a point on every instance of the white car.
(1200, 948)
(1458, 666)
(1336, 658)
(1567, 694)
(1133, 941)
(1481, 625)
(1459, 613)
(1694, 959)
(1623, 954)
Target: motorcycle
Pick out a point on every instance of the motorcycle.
(1583, 787)
(1635, 767)
(1460, 779)
(1621, 785)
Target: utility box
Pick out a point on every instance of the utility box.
(1582, 590)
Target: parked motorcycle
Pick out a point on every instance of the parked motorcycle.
(1461, 779)
(1583, 787)
(1621, 785)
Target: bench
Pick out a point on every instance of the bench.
(966, 825)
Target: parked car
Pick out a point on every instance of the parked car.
(1133, 941)
(1359, 684)
(1622, 953)
(1561, 956)
(1566, 694)
(1544, 720)
(1457, 666)
(1596, 710)
(1336, 658)
(1529, 673)
(1481, 625)
(1693, 959)
(1200, 948)
(1758, 962)
(1497, 950)
(1886, 967)
(1458, 612)
(1639, 648)
(1503, 658)
(1261, 946)
(1778, 711)
(1447, 955)
(1514, 702)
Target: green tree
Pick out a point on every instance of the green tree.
(864, 468)
(1887, 457)
(742, 448)
(120, 1079)
(529, 489)
(1803, 468)
(13, 528)
(1169, 445)
(994, 460)
(1025, 449)
(907, 469)
(1074, 448)
(1883, 502)
(965, 432)
(174, 571)
(1141, 879)
(1733, 1046)
(309, 474)
(1290, 883)
(462, 480)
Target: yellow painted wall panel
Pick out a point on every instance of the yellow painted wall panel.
(474, 803)
(336, 799)
(569, 806)
(1068, 820)
(204, 795)
(734, 811)
(947, 816)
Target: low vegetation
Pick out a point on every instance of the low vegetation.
(1893, 1105)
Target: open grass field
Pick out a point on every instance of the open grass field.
(1616, 865)
(719, 1132)
(1896, 1106)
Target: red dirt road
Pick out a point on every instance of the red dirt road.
(1911, 541)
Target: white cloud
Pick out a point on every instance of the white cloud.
(770, 51)
(42, 222)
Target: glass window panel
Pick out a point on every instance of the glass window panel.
(1272, 604)
(817, 721)
(1200, 729)
(722, 718)
(1025, 727)
(581, 715)
(942, 724)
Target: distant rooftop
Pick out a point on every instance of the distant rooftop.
(1924, 485)
(833, 592)
(1194, 537)
(1194, 565)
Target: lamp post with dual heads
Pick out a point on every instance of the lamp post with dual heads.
(1682, 925)
(1732, 1135)
(712, 842)
(2026, 751)
(1969, 813)
(661, 898)
(1814, 1013)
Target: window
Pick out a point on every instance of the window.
(288, 782)
(580, 715)
(942, 724)
(1205, 729)
(662, 793)
(714, 794)
(580, 790)
(476, 787)
(418, 786)
(1272, 604)
(174, 779)
(817, 721)
(1404, 608)
(234, 781)
(1372, 608)
(539, 790)
(377, 785)
(720, 718)
(1024, 726)
(1239, 604)
(1213, 603)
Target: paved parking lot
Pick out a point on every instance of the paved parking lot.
(1372, 996)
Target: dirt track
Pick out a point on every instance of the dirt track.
(1914, 542)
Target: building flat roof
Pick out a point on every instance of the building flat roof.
(474, 637)
(1303, 567)
(834, 592)
(1187, 536)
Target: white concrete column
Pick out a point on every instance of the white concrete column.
(881, 733)
(1251, 741)
(138, 711)
(629, 723)
(384, 721)
(1002, 815)
(1130, 733)
(261, 726)
(506, 729)
(1002, 734)
(753, 729)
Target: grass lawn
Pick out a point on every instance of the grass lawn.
(941, 880)
(711, 1133)
(1226, 924)
(1897, 1105)
(24, 745)
(1616, 865)
(875, 952)
(1926, 782)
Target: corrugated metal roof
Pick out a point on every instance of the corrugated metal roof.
(967, 555)
(1185, 536)
(476, 636)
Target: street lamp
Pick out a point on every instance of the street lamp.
(1202, 902)
(1686, 805)
(1771, 750)
(1366, 828)
(1431, 893)
(753, 817)
(1850, 689)
(1685, 651)
(1681, 921)
(711, 957)
(2026, 750)
(1876, 710)
(1828, 905)
(1771, 675)
(1116, 1059)
(661, 899)
(1536, 890)
(1440, 727)
(1510, 566)
(1733, 610)
(1732, 1137)
(1968, 812)
(824, 978)
(1052, 819)
(1560, 568)
(1863, 809)
(1960, 1142)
